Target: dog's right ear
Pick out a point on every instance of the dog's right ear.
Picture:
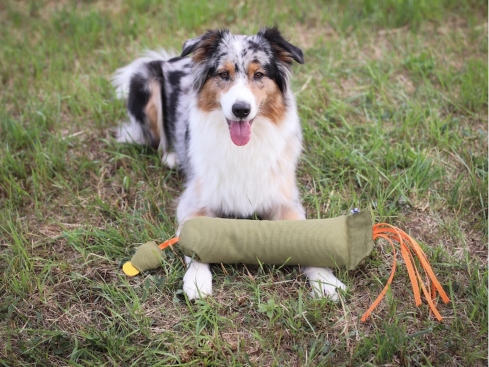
(203, 45)
(190, 45)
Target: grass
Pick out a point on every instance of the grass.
(393, 100)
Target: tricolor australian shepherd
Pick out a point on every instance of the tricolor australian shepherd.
(228, 118)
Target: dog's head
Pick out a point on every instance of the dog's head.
(243, 76)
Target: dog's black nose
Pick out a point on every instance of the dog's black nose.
(241, 109)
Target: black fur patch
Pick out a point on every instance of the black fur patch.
(281, 46)
(279, 76)
(139, 95)
(171, 104)
(281, 54)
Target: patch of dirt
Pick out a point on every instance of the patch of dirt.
(455, 236)
(307, 36)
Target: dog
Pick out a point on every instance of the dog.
(228, 119)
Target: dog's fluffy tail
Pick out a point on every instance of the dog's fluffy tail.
(121, 79)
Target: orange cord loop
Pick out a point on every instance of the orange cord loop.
(409, 249)
(169, 242)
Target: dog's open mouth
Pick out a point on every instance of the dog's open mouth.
(240, 131)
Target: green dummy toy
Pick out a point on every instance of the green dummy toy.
(342, 241)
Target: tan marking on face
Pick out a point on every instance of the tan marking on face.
(153, 111)
(229, 67)
(214, 87)
(208, 98)
(253, 68)
(267, 94)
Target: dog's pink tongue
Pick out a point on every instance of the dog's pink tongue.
(240, 132)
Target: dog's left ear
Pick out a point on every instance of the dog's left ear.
(285, 51)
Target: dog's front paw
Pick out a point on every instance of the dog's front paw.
(323, 282)
(197, 281)
(170, 159)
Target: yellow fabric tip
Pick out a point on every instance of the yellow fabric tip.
(129, 269)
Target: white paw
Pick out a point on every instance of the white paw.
(323, 282)
(197, 281)
(170, 159)
(130, 132)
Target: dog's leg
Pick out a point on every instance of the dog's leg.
(322, 280)
(197, 281)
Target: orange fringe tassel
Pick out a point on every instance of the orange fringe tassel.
(409, 248)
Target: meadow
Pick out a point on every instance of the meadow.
(394, 106)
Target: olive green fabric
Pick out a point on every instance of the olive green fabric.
(147, 256)
(342, 241)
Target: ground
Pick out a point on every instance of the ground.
(393, 102)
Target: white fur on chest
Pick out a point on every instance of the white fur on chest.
(241, 180)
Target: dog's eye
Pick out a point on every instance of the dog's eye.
(224, 75)
(258, 75)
